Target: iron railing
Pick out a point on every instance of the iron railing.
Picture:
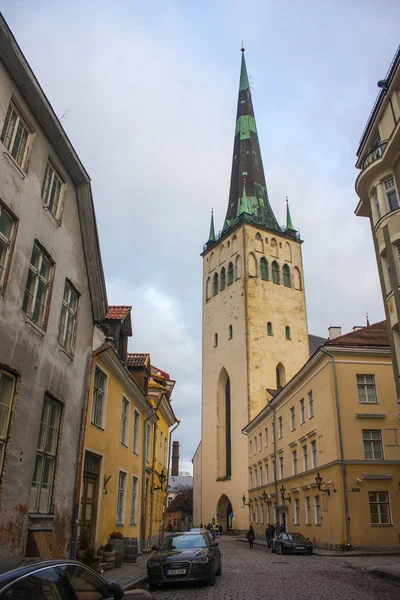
(373, 154)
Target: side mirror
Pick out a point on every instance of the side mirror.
(156, 548)
(308, 539)
(213, 544)
(115, 589)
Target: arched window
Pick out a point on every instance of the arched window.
(280, 375)
(264, 269)
(238, 266)
(215, 340)
(234, 244)
(287, 331)
(275, 272)
(212, 261)
(259, 246)
(230, 273)
(297, 279)
(222, 279)
(228, 449)
(287, 279)
(230, 332)
(215, 284)
(274, 247)
(208, 288)
(252, 265)
(287, 252)
(222, 254)
(269, 328)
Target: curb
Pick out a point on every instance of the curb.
(135, 583)
(385, 573)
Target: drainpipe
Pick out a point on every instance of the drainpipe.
(142, 503)
(275, 454)
(344, 475)
(152, 474)
(79, 466)
(169, 464)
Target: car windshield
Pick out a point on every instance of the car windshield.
(297, 537)
(180, 542)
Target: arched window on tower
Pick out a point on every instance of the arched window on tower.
(252, 265)
(287, 279)
(215, 340)
(230, 273)
(215, 284)
(228, 447)
(269, 328)
(275, 272)
(287, 332)
(208, 289)
(259, 246)
(222, 279)
(274, 247)
(230, 332)
(238, 266)
(280, 376)
(264, 268)
(297, 279)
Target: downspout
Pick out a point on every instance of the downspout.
(275, 455)
(169, 464)
(152, 473)
(75, 514)
(344, 475)
(142, 504)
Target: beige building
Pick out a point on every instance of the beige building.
(254, 322)
(336, 419)
(378, 187)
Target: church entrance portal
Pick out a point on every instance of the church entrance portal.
(224, 513)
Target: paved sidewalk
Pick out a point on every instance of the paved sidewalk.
(130, 575)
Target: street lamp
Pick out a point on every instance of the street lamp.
(319, 482)
(283, 495)
(162, 477)
(265, 496)
(244, 501)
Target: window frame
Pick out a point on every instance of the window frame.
(230, 273)
(310, 405)
(148, 442)
(281, 467)
(380, 523)
(288, 333)
(136, 432)
(302, 412)
(373, 441)
(295, 465)
(4, 437)
(292, 418)
(280, 427)
(67, 307)
(264, 271)
(314, 460)
(266, 437)
(9, 146)
(286, 276)
(124, 430)
(46, 193)
(270, 330)
(121, 493)
(275, 270)
(215, 284)
(317, 511)
(134, 498)
(307, 506)
(8, 244)
(365, 386)
(305, 457)
(104, 398)
(222, 279)
(296, 511)
(30, 298)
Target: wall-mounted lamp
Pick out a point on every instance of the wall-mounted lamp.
(266, 497)
(283, 495)
(319, 482)
(244, 501)
(105, 481)
(162, 477)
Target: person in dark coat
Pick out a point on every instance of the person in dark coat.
(278, 529)
(250, 536)
(269, 534)
(283, 528)
(220, 530)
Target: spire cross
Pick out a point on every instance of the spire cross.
(242, 48)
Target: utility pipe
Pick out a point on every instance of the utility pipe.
(169, 463)
(142, 503)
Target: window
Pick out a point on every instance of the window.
(379, 508)
(215, 284)
(230, 274)
(51, 189)
(124, 421)
(273, 470)
(7, 229)
(310, 405)
(155, 442)
(165, 451)
(308, 510)
(264, 269)
(148, 437)
(134, 500)
(269, 328)
(256, 513)
(44, 584)
(275, 272)
(85, 584)
(294, 462)
(297, 511)
(37, 286)
(160, 455)
(7, 386)
(314, 454)
(15, 135)
(391, 193)
(266, 436)
(373, 445)
(292, 418)
(121, 497)
(280, 433)
(250, 480)
(262, 512)
(250, 448)
(266, 473)
(46, 455)
(222, 279)
(287, 280)
(317, 510)
(260, 441)
(376, 200)
(305, 458)
(208, 285)
(255, 445)
(215, 340)
(230, 336)
(302, 411)
(366, 389)
(69, 310)
(272, 433)
(255, 477)
(98, 404)
(287, 332)
(260, 474)
(136, 431)
(281, 467)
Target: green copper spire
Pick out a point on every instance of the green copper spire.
(211, 237)
(243, 205)
(244, 80)
(289, 224)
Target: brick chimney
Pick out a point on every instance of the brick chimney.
(175, 459)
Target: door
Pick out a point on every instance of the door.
(89, 498)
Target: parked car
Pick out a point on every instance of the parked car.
(186, 556)
(294, 543)
(38, 579)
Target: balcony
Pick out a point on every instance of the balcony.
(374, 153)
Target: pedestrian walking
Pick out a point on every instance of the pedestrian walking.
(283, 528)
(250, 536)
(220, 530)
(278, 529)
(269, 534)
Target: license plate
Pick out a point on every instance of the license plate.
(176, 572)
(300, 548)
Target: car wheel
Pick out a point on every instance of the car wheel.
(219, 570)
(280, 549)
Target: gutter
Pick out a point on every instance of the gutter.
(342, 462)
(168, 471)
(275, 454)
(152, 471)
(142, 503)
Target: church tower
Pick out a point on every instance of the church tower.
(255, 334)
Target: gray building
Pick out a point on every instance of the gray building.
(52, 291)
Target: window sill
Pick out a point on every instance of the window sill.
(381, 524)
(124, 445)
(40, 516)
(119, 524)
(62, 350)
(52, 217)
(132, 523)
(14, 164)
(97, 426)
(34, 326)
(135, 453)
(312, 416)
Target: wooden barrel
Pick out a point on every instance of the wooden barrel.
(130, 549)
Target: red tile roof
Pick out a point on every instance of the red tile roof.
(136, 360)
(117, 312)
(156, 370)
(375, 335)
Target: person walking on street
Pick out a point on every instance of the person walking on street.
(278, 529)
(269, 534)
(283, 528)
(250, 536)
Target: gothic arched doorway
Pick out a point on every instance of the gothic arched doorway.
(224, 513)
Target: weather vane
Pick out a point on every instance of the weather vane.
(242, 48)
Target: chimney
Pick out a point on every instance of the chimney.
(175, 459)
(334, 331)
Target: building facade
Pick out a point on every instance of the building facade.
(52, 291)
(254, 320)
(378, 188)
(336, 419)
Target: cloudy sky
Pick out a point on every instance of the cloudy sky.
(147, 93)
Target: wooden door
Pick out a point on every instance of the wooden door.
(89, 498)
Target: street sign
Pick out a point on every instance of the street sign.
(354, 489)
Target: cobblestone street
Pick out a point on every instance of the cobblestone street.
(259, 575)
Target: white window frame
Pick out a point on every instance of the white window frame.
(7, 244)
(52, 190)
(295, 464)
(134, 498)
(30, 299)
(250, 479)
(379, 503)
(124, 438)
(281, 467)
(250, 448)
(266, 473)
(256, 512)
(280, 427)
(307, 506)
(266, 437)
(255, 445)
(302, 412)
(314, 460)
(160, 448)
(362, 384)
(68, 317)
(317, 510)
(372, 441)
(296, 511)
(166, 451)
(310, 405)
(148, 442)
(9, 141)
(305, 458)
(6, 406)
(121, 497)
(292, 418)
(136, 432)
(103, 401)
(260, 441)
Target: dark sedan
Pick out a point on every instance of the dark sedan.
(188, 556)
(293, 543)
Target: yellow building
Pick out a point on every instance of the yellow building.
(337, 419)
(378, 187)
